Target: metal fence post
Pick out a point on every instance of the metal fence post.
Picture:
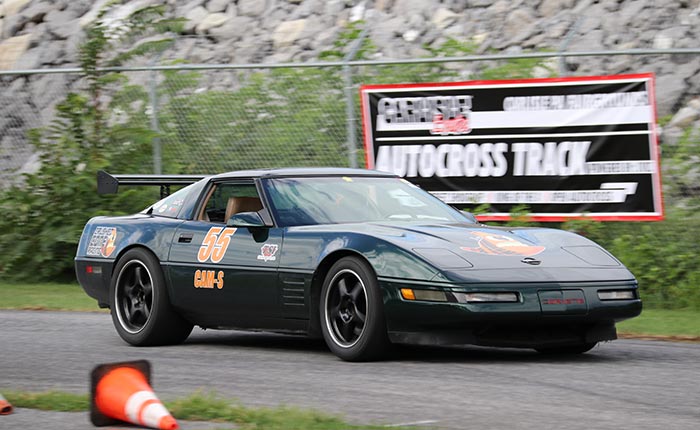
(349, 104)
(563, 67)
(153, 100)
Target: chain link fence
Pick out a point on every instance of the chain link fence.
(214, 118)
(205, 121)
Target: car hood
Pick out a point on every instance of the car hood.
(459, 250)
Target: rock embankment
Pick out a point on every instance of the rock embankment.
(36, 34)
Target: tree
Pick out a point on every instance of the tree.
(43, 217)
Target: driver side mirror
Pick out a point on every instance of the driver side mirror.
(470, 216)
(246, 219)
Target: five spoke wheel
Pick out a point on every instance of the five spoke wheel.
(134, 296)
(346, 304)
(141, 309)
(352, 311)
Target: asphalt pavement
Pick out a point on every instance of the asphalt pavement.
(625, 384)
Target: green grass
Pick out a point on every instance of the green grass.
(64, 297)
(199, 407)
(48, 401)
(663, 322)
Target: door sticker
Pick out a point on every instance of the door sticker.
(268, 251)
(215, 244)
(209, 279)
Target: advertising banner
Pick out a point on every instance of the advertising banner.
(564, 147)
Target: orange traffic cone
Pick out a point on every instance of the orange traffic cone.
(5, 406)
(122, 392)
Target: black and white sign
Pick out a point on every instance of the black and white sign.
(565, 147)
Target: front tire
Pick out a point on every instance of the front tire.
(352, 312)
(141, 310)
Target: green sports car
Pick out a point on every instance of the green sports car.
(362, 258)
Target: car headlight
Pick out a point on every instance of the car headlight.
(504, 297)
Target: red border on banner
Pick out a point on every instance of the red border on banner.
(654, 144)
(559, 218)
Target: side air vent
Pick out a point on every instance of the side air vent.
(293, 292)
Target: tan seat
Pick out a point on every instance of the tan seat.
(242, 204)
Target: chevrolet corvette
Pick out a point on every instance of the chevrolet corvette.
(361, 258)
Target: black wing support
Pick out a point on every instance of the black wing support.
(109, 184)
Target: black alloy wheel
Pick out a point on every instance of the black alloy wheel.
(141, 310)
(352, 311)
(346, 305)
(134, 296)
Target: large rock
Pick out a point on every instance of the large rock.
(669, 91)
(77, 7)
(61, 24)
(35, 12)
(234, 29)
(550, 8)
(307, 8)
(211, 21)
(684, 117)
(12, 49)
(11, 7)
(443, 18)
(288, 32)
(403, 7)
(253, 8)
(194, 17)
(517, 20)
(214, 6)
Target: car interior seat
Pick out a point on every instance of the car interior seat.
(242, 204)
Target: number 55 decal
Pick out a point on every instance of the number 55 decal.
(215, 244)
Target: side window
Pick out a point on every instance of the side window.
(227, 199)
(170, 206)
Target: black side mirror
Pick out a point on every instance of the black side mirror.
(470, 216)
(246, 219)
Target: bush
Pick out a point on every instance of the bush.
(44, 216)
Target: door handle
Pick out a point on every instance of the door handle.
(185, 238)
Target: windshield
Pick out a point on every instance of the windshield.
(336, 200)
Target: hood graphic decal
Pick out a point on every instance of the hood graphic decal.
(498, 244)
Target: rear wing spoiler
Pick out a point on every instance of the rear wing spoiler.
(109, 184)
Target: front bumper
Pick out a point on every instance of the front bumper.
(546, 314)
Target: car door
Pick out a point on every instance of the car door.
(226, 276)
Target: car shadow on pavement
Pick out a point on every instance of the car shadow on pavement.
(478, 354)
(400, 353)
(256, 340)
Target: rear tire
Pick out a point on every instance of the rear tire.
(352, 312)
(568, 350)
(139, 303)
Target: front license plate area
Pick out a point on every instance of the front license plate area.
(563, 302)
